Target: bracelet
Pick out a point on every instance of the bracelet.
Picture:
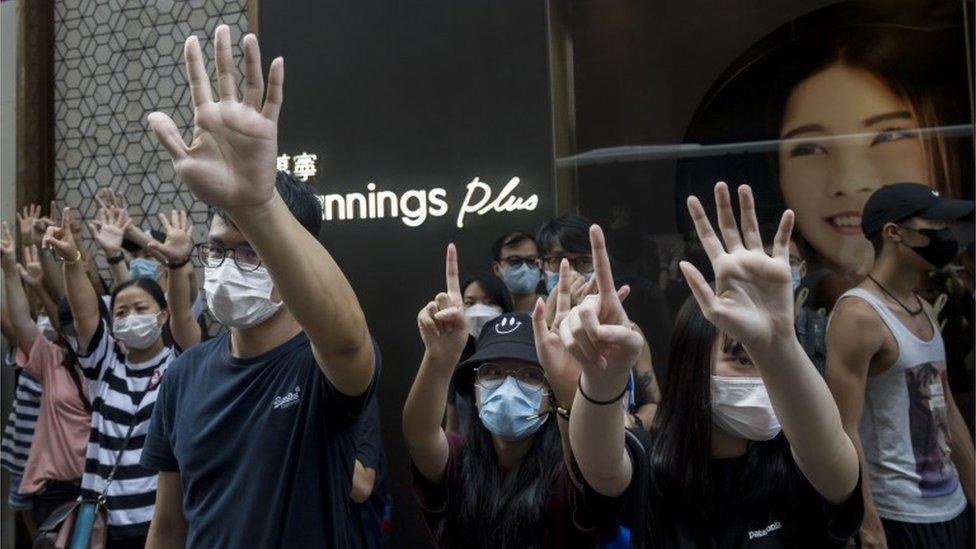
(75, 260)
(579, 383)
(172, 265)
(560, 411)
(115, 259)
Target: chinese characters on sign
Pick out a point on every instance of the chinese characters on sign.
(302, 166)
(412, 206)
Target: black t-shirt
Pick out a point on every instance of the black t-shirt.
(264, 446)
(374, 513)
(806, 521)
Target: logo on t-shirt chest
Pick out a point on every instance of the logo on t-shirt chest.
(288, 399)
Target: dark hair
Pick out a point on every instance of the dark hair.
(493, 287)
(571, 230)
(300, 199)
(510, 239)
(914, 49)
(495, 509)
(681, 454)
(150, 286)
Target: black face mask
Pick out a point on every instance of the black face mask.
(940, 250)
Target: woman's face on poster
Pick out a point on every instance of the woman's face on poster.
(846, 133)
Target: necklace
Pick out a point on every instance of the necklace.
(889, 294)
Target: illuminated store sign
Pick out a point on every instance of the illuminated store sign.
(413, 206)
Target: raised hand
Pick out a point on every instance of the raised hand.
(179, 238)
(30, 269)
(8, 254)
(753, 297)
(62, 239)
(108, 229)
(107, 197)
(561, 367)
(25, 221)
(230, 162)
(597, 332)
(443, 326)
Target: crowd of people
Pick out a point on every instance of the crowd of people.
(535, 418)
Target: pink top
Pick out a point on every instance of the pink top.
(61, 435)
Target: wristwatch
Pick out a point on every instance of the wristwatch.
(115, 258)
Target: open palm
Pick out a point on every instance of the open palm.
(230, 161)
(753, 297)
(109, 228)
(179, 240)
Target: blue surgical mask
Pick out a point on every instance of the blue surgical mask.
(552, 280)
(510, 412)
(522, 280)
(797, 277)
(143, 268)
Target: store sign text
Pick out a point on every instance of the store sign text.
(415, 206)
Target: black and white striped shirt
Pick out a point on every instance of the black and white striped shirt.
(19, 431)
(120, 390)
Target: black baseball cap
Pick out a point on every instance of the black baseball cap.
(507, 336)
(899, 201)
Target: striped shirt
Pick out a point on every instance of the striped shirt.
(19, 431)
(120, 392)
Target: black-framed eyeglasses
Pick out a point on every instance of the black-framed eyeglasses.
(213, 255)
(516, 262)
(490, 376)
(580, 263)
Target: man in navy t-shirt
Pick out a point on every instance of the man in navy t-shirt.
(253, 431)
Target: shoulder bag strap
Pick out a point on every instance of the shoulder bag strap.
(153, 383)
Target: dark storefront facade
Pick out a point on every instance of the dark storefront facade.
(423, 124)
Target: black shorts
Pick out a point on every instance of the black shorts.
(951, 534)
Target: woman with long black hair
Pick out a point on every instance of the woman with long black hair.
(747, 446)
(503, 480)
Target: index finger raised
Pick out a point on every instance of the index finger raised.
(451, 272)
(601, 261)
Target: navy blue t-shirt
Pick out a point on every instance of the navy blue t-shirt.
(264, 446)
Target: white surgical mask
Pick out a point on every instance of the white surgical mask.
(479, 315)
(46, 328)
(741, 407)
(137, 331)
(239, 299)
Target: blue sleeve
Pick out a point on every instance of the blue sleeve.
(157, 452)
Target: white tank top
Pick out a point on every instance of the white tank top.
(904, 428)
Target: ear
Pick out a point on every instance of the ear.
(164, 317)
(891, 232)
(496, 268)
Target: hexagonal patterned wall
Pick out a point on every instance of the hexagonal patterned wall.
(115, 61)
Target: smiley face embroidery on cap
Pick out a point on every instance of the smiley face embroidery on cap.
(507, 325)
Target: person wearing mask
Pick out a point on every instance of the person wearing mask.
(567, 238)
(52, 473)
(124, 363)
(747, 447)
(503, 480)
(485, 297)
(516, 261)
(254, 432)
(886, 365)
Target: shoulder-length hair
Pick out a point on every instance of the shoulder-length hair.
(681, 452)
(495, 509)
